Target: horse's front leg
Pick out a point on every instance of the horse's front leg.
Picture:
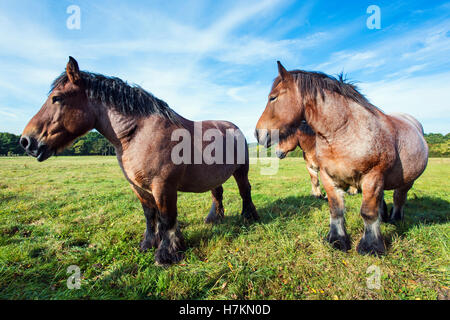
(337, 236)
(372, 210)
(171, 248)
(151, 237)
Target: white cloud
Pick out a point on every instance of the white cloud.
(424, 45)
(8, 113)
(425, 97)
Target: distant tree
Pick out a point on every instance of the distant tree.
(81, 147)
(9, 143)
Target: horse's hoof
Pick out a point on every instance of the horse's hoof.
(171, 251)
(250, 215)
(164, 258)
(215, 217)
(339, 242)
(147, 244)
(255, 216)
(395, 216)
(144, 246)
(375, 248)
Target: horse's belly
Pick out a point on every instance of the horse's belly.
(203, 178)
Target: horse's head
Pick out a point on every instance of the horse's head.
(283, 110)
(287, 145)
(64, 116)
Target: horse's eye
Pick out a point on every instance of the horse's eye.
(273, 98)
(56, 99)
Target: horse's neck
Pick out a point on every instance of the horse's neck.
(327, 117)
(114, 126)
(118, 128)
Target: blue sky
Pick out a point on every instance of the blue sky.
(217, 59)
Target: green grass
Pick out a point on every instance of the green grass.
(81, 211)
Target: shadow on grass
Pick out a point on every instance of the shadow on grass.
(423, 210)
(234, 225)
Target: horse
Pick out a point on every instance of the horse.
(141, 128)
(356, 144)
(305, 138)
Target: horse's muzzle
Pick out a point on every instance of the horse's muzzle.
(280, 154)
(263, 137)
(36, 149)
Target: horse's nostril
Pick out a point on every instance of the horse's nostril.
(25, 142)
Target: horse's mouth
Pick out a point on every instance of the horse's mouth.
(43, 153)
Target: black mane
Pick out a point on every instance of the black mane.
(118, 94)
(306, 129)
(312, 83)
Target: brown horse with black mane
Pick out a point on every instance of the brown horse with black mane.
(141, 128)
(356, 145)
(305, 138)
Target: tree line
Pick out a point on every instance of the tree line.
(94, 143)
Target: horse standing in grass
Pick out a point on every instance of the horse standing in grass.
(140, 127)
(305, 138)
(356, 145)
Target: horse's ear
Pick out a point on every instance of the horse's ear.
(284, 74)
(73, 72)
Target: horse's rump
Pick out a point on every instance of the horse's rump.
(412, 151)
(409, 118)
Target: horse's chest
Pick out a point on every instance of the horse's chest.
(342, 170)
(339, 171)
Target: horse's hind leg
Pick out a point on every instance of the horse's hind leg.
(248, 208)
(216, 214)
(337, 236)
(399, 201)
(352, 190)
(384, 214)
(315, 185)
(171, 248)
(371, 212)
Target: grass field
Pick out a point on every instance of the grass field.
(81, 211)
